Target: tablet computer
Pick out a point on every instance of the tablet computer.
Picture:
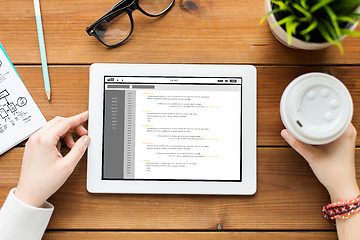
(172, 129)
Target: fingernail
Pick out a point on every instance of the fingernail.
(87, 140)
(285, 134)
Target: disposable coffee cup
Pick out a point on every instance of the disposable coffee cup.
(316, 108)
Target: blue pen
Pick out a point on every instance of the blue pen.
(42, 48)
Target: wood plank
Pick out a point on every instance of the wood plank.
(272, 81)
(191, 235)
(289, 197)
(213, 32)
(70, 87)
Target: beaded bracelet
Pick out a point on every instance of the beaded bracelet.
(341, 209)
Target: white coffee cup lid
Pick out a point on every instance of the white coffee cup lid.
(316, 108)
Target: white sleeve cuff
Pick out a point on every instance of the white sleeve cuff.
(21, 221)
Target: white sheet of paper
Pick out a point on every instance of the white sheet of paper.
(19, 114)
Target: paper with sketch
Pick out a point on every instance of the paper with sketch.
(19, 114)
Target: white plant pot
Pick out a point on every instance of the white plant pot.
(281, 35)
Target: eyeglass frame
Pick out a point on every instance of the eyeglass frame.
(117, 9)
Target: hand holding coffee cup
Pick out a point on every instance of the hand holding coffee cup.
(328, 144)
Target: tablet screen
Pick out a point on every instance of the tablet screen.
(172, 128)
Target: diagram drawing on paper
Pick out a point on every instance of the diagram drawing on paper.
(12, 111)
(19, 115)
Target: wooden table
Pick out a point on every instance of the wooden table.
(289, 198)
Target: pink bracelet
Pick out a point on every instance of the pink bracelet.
(341, 209)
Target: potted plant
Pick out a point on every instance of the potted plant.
(312, 24)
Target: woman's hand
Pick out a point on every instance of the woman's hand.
(333, 163)
(44, 170)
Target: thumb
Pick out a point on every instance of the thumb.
(304, 149)
(78, 150)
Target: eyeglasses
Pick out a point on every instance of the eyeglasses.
(116, 26)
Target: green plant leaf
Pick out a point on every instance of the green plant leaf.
(289, 33)
(291, 30)
(311, 27)
(345, 19)
(345, 7)
(303, 19)
(350, 33)
(302, 10)
(327, 37)
(268, 14)
(293, 27)
(304, 5)
(333, 20)
(319, 5)
(330, 29)
(323, 31)
(281, 4)
(355, 15)
(284, 20)
(307, 37)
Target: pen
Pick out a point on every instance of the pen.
(42, 48)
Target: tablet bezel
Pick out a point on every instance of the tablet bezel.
(95, 184)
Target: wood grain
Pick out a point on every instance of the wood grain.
(70, 87)
(289, 197)
(213, 32)
(191, 235)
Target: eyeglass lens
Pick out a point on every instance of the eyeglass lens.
(155, 7)
(115, 29)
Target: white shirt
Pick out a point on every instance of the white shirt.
(19, 221)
